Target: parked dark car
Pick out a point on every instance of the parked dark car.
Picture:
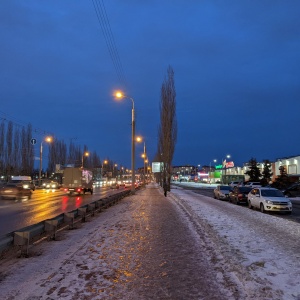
(14, 191)
(239, 194)
(292, 191)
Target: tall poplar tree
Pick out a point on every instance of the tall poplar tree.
(167, 131)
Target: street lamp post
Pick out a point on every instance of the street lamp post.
(144, 163)
(210, 169)
(84, 154)
(146, 169)
(227, 156)
(49, 140)
(104, 163)
(120, 96)
(115, 166)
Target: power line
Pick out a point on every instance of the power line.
(20, 123)
(109, 39)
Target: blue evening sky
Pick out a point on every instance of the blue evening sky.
(236, 67)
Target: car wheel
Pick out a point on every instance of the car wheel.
(289, 212)
(236, 201)
(91, 192)
(262, 209)
(215, 196)
(249, 204)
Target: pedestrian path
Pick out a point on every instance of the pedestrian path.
(141, 248)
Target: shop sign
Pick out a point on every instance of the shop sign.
(230, 164)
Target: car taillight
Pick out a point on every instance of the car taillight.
(65, 190)
(78, 190)
(240, 195)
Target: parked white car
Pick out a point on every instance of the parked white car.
(269, 199)
(221, 192)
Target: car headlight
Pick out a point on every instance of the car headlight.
(25, 186)
(269, 202)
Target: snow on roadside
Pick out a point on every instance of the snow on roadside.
(259, 252)
(265, 246)
(62, 268)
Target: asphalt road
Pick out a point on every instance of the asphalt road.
(43, 205)
(209, 192)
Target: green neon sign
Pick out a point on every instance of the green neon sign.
(219, 166)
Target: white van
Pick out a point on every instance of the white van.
(25, 181)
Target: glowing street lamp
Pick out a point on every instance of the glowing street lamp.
(86, 154)
(224, 165)
(47, 139)
(120, 95)
(115, 166)
(104, 163)
(210, 169)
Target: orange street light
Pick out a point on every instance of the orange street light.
(104, 163)
(86, 154)
(120, 95)
(47, 139)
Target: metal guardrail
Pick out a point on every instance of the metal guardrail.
(48, 228)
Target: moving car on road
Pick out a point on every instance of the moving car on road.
(221, 192)
(24, 181)
(14, 191)
(239, 194)
(269, 199)
(50, 184)
(114, 185)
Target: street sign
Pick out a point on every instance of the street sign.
(157, 167)
(33, 141)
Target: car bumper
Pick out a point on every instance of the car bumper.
(243, 200)
(274, 207)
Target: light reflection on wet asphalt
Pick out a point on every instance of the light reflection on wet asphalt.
(44, 204)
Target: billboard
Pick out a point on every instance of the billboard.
(157, 167)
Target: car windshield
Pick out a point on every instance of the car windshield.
(15, 181)
(225, 187)
(271, 193)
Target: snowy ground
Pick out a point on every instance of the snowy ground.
(185, 246)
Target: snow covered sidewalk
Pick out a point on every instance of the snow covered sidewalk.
(262, 251)
(185, 246)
